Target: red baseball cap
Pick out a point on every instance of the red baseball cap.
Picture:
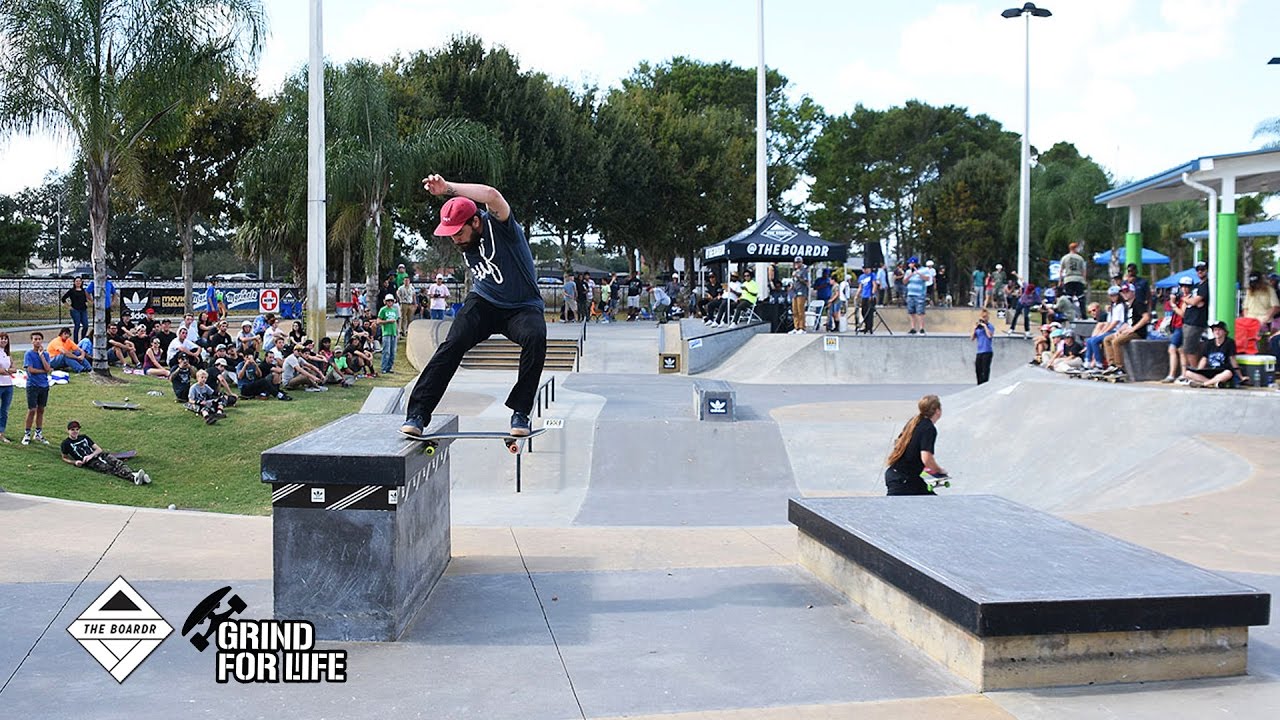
(454, 215)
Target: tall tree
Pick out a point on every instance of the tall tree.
(191, 177)
(959, 215)
(110, 72)
(17, 237)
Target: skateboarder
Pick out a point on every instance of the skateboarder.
(504, 299)
(913, 451)
(82, 451)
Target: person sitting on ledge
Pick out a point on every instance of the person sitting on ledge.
(82, 451)
(1217, 367)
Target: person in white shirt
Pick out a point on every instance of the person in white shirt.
(930, 275)
(439, 294)
(271, 334)
(183, 344)
(300, 373)
(840, 299)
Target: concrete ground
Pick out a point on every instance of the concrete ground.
(647, 569)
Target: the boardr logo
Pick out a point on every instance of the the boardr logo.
(120, 629)
(718, 407)
(779, 232)
(261, 651)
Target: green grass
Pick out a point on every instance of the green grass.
(192, 465)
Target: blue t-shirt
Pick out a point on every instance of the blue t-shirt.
(502, 266)
(211, 298)
(979, 278)
(866, 283)
(111, 290)
(822, 287)
(984, 339)
(915, 284)
(32, 359)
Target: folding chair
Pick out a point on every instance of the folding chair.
(819, 309)
(746, 315)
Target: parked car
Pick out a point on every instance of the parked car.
(236, 276)
(136, 275)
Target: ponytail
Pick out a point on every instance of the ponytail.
(928, 405)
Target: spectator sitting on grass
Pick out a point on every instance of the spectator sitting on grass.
(271, 334)
(183, 346)
(82, 451)
(254, 383)
(119, 347)
(181, 377)
(359, 348)
(165, 334)
(219, 335)
(224, 381)
(247, 342)
(1217, 366)
(296, 334)
(204, 401)
(322, 361)
(298, 373)
(344, 364)
(153, 360)
(64, 354)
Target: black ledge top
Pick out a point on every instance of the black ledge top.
(997, 568)
(358, 449)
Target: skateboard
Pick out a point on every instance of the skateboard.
(936, 481)
(124, 454)
(205, 611)
(126, 405)
(514, 443)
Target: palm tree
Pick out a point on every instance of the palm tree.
(371, 159)
(111, 72)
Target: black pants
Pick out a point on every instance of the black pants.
(899, 484)
(1025, 312)
(475, 322)
(868, 313)
(1076, 290)
(982, 365)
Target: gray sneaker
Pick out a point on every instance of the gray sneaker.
(413, 425)
(520, 424)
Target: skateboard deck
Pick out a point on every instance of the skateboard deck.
(514, 443)
(115, 405)
(124, 454)
(936, 481)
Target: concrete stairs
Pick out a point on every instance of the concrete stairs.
(499, 353)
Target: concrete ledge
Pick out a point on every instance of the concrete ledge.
(1146, 360)
(714, 400)
(1009, 597)
(1027, 661)
(382, 401)
(704, 347)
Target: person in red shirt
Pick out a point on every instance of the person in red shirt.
(1173, 313)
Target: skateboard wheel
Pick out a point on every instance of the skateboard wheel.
(429, 449)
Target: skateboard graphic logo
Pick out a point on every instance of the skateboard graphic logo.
(718, 407)
(669, 363)
(260, 651)
(317, 495)
(120, 629)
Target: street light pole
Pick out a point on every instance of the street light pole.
(1024, 170)
(762, 148)
(317, 287)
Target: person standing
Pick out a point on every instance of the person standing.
(930, 281)
(798, 294)
(215, 301)
(996, 296)
(606, 300)
(979, 298)
(569, 298)
(404, 296)
(504, 299)
(1073, 270)
(634, 288)
(868, 288)
(389, 321)
(915, 293)
(1195, 316)
(79, 301)
(982, 332)
(6, 385)
(439, 295)
(912, 452)
(36, 363)
(584, 297)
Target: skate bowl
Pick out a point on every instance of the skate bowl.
(864, 359)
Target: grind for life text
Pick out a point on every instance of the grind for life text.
(275, 651)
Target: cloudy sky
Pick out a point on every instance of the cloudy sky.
(1140, 85)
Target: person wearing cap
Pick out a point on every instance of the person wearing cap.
(439, 296)
(246, 341)
(1141, 288)
(1067, 352)
(402, 274)
(80, 450)
(1195, 316)
(1261, 302)
(660, 301)
(504, 299)
(798, 294)
(917, 288)
(1074, 274)
(930, 281)
(868, 289)
(1217, 367)
(1117, 315)
(823, 289)
(1171, 325)
(389, 321)
(404, 297)
(224, 380)
(1137, 323)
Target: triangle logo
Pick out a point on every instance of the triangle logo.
(120, 629)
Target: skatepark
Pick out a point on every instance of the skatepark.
(648, 569)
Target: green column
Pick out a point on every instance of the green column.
(1133, 251)
(1224, 269)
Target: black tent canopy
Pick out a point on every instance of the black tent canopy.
(773, 239)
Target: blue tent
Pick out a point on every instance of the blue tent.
(1149, 257)
(1267, 228)
(1172, 280)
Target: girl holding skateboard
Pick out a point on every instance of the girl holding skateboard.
(913, 451)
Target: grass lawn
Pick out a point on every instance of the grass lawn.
(193, 466)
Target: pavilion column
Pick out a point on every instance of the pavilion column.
(1133, 239)
(1224, 265)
